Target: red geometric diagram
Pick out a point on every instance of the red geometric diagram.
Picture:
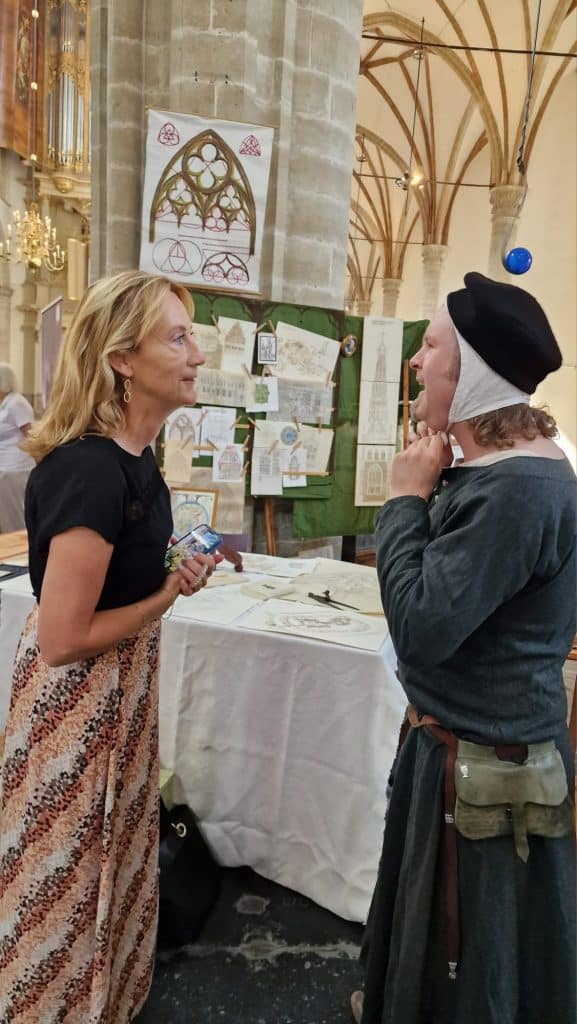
(250, 146)
(168, 135)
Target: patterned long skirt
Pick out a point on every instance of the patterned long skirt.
(79, 835)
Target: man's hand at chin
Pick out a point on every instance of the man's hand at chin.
(422, 429)
(415, 471)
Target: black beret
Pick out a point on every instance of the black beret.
(507, 328)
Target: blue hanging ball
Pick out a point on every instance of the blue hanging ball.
(518, 261)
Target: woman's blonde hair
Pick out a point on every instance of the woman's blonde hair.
(86, 396)
(503, 427)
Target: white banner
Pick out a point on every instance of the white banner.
(203, 208)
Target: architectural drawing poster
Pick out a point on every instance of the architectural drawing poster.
(204, 200)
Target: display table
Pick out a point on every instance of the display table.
(282, 745)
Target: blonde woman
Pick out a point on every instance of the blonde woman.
(16, 417)
(79, 831)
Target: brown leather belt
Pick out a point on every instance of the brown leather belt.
(510, 752)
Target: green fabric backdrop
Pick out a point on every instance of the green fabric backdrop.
(325, 507)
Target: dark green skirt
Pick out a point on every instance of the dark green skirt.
(518, 921)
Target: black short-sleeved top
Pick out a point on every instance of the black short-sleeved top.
(92, 482)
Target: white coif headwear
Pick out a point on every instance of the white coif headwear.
(479, 388)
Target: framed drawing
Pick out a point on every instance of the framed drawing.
(191, 507)
(267, 348)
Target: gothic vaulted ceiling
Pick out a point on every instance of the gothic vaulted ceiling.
(437, 104)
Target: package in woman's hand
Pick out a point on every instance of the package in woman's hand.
(202, 540)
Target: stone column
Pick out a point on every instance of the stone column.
(29, 338)
(289, 64)
(391, 289)
(433, 259)
(506, 201)
(363, 307)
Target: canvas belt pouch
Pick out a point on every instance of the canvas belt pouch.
(498, 798)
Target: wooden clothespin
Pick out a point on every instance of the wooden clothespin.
(254, 423)
(266, 371)
(260, 327)
(272, 447)
(203, 414)
(320, 423)
(328, 380)
(247, 371)
(295, 446)
(273, 329)
(245, 469)
(246, 443)
(296, 423)
(212, 444)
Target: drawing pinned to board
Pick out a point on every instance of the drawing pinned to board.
(204, 203)
(190, 508)
(373, 474)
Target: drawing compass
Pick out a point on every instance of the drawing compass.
(325, 598)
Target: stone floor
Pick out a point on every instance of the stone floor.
(266, 956)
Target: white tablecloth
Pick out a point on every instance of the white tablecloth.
(281, 745)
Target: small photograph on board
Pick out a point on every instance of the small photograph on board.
(191, 507)
(267, 350)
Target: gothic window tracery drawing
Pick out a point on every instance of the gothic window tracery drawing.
(204, 202)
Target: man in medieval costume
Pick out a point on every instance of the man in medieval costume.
(473, 915)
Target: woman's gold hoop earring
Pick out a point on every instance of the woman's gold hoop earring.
(127, 395)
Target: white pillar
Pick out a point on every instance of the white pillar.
(391, 289)
(433, 259)
(363, 307)
(506, 203)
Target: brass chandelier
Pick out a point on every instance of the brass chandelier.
(31, 239)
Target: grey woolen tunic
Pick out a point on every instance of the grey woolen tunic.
(479, 588)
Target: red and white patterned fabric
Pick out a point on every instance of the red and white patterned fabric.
(79, 835)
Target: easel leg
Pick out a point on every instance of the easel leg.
(269, 530)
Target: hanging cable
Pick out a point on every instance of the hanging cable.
(519, 259)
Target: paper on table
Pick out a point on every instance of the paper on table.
(227, 577)
(268, 587)
(222, 606)
(335, 625)
(274, 566)
(355, 585)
